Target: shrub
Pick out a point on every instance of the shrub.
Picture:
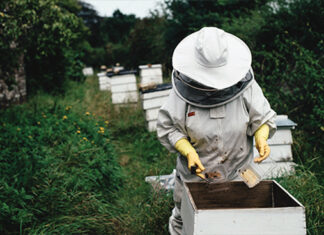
(58, 171)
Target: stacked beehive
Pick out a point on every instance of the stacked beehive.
(280, 161)
(104, 81)
(152, 100)
(88, 71)
(150, 75)
(123, 87)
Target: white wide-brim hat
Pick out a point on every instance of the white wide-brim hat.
(212, 57)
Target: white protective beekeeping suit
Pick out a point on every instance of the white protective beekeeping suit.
(222, 136)
(221, 133)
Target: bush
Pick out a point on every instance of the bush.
(58, 172)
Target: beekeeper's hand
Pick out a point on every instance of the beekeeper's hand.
(186, 149)
(261, 136)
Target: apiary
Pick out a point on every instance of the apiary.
(123, 87)
(152, 100)
(280, 161)
(233, 208)
(150, 74)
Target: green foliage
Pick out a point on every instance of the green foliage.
(47, 33)
(288, 69)
(58, 171)
(146, 42)
(187, 16)
(305, 186)
(108, 39)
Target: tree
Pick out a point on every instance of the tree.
(48, 33)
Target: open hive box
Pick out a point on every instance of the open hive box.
(233, 208)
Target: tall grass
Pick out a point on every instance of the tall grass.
(305, 187)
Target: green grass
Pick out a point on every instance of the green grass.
(68, 185)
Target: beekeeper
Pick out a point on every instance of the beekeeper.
(213, 111)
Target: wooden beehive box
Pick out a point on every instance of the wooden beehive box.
(233, 208)
(104, 81)
(152, 100)
(88, 71)
(123, 88)
(150, 74)
(281, 158)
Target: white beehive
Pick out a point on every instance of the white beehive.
(152, 100)
(123, 88)
(233, 208)
(104, 81)
(150, 74)
(280, 161)
(88, 71)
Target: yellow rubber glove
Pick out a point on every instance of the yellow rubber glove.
(261, 136)
(186, 149)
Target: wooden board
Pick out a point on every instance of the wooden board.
(151, 72)
(155, 94)
(124, 88)
(148, 80)
(278, 153)
(88, 71)
(119, 98)
(123, 79)
(104, 87)
(152, 114)
(150, 66)
(278, 169)
(282, 136)
(151, 125)
(154, 103)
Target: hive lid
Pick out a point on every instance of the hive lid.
(284, 121)
(159, 87)
(121, 72)
(150, 66)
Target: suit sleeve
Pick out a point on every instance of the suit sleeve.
(259, 110)
(171, 122)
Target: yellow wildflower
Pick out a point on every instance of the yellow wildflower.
(65, 117)
(322, 128)
(107, 122)
(18, 129)
(87, 113)
(38, 123)
(102, 128)
(44, 116)
(85, 138)
(30, 137)
(92, 142)
(67, 108)
(78, 128)
(78, 132)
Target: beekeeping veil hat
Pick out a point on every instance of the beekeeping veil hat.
(212, 57)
